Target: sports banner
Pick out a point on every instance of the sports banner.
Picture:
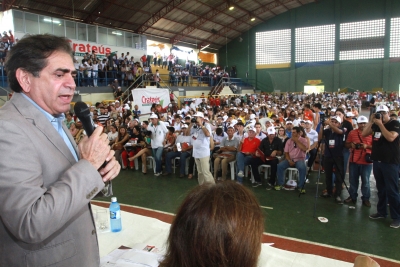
(145, 98)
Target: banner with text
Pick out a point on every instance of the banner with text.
(145, 98)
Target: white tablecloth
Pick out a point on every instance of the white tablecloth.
(149, 231)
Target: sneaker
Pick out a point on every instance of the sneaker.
(240, 174)
(376, 216)
(395, 223)
(157, 173)
(338, 200)
(166, 173)
(348, 200)
(307, 181)
(256, 184)
(366, 203)
(278, 187)
(325, 194)
(269, 186)
(302, 191)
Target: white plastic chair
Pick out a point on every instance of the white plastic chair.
(152, 163)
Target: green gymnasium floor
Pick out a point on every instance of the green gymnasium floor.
(285, 213)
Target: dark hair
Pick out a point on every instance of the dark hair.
(137, 127)
(31, 53)
(297, 129)
(216, 225)
(317, 105)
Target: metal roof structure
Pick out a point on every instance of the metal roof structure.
(212, 23)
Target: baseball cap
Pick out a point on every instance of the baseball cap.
(289, 122)
(199, 114)
(251, 128)
(349, 114)
(336, 118)
(308, 121)
(184, 126)
(382, 108)
(153, 116)
(362, 119)
(271, 130)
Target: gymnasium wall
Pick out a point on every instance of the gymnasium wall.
(358, 74)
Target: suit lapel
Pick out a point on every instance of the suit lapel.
(38, 119)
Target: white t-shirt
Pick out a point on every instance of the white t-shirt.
(158, 133)
(201, 143)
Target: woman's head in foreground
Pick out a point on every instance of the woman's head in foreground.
(216, 225)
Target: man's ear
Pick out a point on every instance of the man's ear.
(24, 79)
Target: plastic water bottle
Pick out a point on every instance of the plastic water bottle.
(115, 215)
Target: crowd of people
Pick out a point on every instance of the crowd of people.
(278, 130)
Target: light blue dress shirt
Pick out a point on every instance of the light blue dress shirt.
(57, 124)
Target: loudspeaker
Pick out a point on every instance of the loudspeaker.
(214, 31)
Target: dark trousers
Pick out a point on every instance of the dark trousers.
(313, 155)
(386, 176)
(256, 162)
(339, 172)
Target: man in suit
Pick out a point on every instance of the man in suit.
(46, 181)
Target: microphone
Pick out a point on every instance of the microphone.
(83, 113)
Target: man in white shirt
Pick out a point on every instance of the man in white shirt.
(200, 133)
(313, 136)
(259, 134)
(158, 131)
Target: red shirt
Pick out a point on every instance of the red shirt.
(217, 102)
(250, 145)
(308, 115)
(358, 155)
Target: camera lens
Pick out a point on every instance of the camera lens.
(193, 120)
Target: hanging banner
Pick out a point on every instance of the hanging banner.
(145, 98)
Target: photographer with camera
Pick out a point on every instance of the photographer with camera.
(360, 162)
(200, 131)
(333, 155)
(386, 159)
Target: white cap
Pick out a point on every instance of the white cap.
(231, 126)
(199, 114)
(337, 118)
(271, 130)
(308, 121)
(382, 108)
(116, 101)
(184, 126)
(153, 116)
(349, 114)
(251, 128)
(362, 119)
(289, 122)
(291, 183)
(114, 199)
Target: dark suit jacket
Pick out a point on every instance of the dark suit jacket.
(45, 214)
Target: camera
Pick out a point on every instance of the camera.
(378, 116)
(193, 120)
(358, 146)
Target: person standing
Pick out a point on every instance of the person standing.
(200, 131)
(360, 146)
(386, 159)
(45, 216)
(158, 132)
(333, 155)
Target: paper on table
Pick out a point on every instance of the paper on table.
(131, 257)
